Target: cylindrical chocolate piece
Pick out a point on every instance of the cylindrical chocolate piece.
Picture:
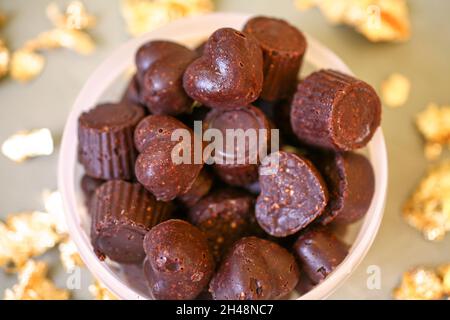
(319, 252)
(240, 155)
(105, 140)
(351, 183)
(179, 263)
(255, 269)
(293, 194)
(225, 216)
(122, 213)
(335, 111)
(283, 48)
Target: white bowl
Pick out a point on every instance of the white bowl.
(191, 31)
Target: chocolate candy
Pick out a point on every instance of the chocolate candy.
(229, 74)
(161, 65)
(255, 269)
(132, 92)
(88, 186)
(155, 168)
(122, 213)
(283, 48)
(225, 216)
(351, 182)
(335, 111)
(105, 140)
(134, 276)
(293, 194)
(319, 253)
(199, 189)
(179, 264)
(243, 118)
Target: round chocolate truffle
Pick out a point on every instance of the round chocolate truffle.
(293, 194)
(255, 269)
(179, 263)
(335, 111)
(160, 68)
(165, 167)
(283, 48)
(319, 252)
(199, 189)
(122, 213)
(229, 74)
(239, 155)
(351, 182)
(105, 140)
(225, 216)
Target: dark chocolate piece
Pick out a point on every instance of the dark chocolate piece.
(351, 183)
(319, 252)
(160, 67)
(335, 111)
(293, 194)
(122, 213)
(304, 284)
(132, 92)
(105, 140)
(283, 48)
(229, 74)
(88, 186)
(179, 263)
(155, 168)
(255, 269)
(199, 189)
(244, 118)
(225, 216)
(134, 276)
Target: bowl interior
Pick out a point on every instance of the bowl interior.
(107, 84)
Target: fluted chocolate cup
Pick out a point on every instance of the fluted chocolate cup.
(335, 111)
(122, 213)
(283, 48)
(105, 140)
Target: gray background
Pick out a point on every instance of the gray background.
(46, 102)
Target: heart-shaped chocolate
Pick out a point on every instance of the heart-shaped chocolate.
(229, 74)
(160, 68)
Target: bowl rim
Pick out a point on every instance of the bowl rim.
(113, 66)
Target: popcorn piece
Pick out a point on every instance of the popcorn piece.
(54, 206)
(444, 273)
(395, 90)
(100, 292)
(419, 284)
(145, 15)
(72, 39)
(75, 17)
(428, 209)
(434, 123)
(432, 151)
(4, 59)
(377, 20)
(69, 255)
(28, 144)
(34, 285)
(26, 65)
(26, 235)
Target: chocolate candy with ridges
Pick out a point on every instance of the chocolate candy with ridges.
(319, 252)
(293, 194)
(122, 213)
(161, 85)
(202, 185)
(179, 263)
(283, 48)
(225, 216)
(351, 183)
(335, 111)
(246, 119)
(105, 140)
(229, 74)
(156, 169)
(255, 269)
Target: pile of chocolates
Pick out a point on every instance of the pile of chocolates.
(228, 230)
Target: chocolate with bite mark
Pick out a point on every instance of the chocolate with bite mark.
(255, 269)
(319, 252)
(179, 263)
(283, 48)
(122, 213)
(155, 168)
(225, 216)
(292, 195)
(229, 74)
(335, 111)
(105, 140)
